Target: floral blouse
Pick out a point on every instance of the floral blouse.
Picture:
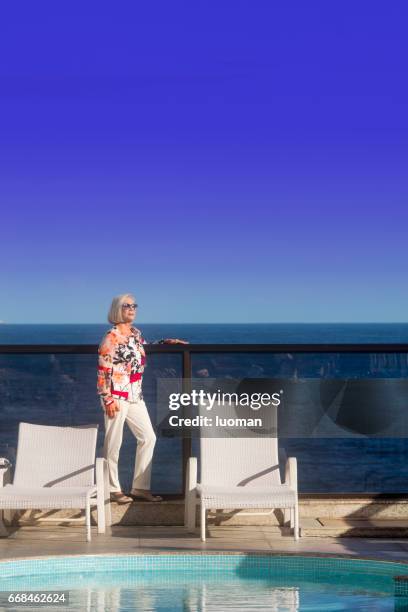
(121, 363)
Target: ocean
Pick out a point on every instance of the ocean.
(61, 390)
(207, 333)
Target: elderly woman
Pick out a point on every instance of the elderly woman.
(121, 362)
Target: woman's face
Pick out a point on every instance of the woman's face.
(129, 310)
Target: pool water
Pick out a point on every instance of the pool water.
(216, 582)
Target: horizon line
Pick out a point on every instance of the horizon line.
(229, 323)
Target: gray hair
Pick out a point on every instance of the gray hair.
(115, 314)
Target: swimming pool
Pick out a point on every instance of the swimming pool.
(209, 582)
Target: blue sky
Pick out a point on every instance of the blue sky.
(226, 162)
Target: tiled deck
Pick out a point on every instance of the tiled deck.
(36, 541)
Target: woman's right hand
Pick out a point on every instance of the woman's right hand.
(112, 409)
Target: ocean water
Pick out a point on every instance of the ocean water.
(61, 390)
(207, 333)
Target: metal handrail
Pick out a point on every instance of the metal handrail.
(87, 349)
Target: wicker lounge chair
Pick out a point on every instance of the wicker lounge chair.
(55, 469)
(240, 473)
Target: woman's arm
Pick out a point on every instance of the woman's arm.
(144, 341)
(166, 341)
(105, 363)
(162, 341)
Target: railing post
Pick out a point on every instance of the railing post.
(186, 387)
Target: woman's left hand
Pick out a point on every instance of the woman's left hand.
(175, 341)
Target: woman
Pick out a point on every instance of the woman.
(121, 362)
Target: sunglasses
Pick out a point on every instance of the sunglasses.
(132, 306)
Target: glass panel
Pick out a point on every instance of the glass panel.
(167, 473)
(61, 390)
(370, 451)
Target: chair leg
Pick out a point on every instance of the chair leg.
(190, 513)
(9, 516)
(108, 513)
(296, 521)
(100, 503)
(88, 520)
(203, 513)
(106, 486)
(3, 531)
(292, 518)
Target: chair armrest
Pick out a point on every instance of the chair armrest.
(291, 473)
(190, 498)
(5, 471)
(101, 467)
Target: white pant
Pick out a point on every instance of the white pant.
(136, 416)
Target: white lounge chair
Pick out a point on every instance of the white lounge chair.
(240, 473)
(55, 469)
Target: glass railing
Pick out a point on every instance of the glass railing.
(345, 413)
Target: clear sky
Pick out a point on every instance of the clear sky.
(225, 161)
